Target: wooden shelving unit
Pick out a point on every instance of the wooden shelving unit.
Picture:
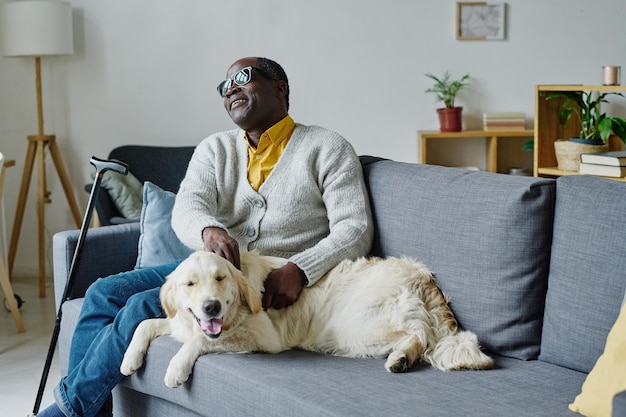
(548, 129)
(492, 136)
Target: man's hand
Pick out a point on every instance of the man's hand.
(283, 286)
(216, 240)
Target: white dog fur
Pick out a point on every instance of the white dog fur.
(365, 308)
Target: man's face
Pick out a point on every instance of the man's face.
(255, 104)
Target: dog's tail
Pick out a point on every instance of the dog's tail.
(458, 351)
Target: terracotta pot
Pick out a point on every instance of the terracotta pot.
(450, 120)
(568, 153)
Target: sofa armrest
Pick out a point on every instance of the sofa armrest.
(619, 404)
(106, 250)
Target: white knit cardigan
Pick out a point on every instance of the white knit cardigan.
(312, 209)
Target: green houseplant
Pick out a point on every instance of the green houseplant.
(595, 126)
(446, 90)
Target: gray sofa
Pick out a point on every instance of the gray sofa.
(535, 267)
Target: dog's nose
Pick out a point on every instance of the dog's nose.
(211, 307)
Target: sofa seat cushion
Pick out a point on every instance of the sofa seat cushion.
(297, 383)
(485, 236)
(587, 280)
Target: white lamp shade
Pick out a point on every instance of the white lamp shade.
(36, 28)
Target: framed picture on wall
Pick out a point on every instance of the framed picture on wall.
(480, 20)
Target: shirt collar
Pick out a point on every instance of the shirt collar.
(279, 132)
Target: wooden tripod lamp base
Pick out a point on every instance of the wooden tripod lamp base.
(36, 29)
(36, 151)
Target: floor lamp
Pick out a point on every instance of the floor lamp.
(36, 28)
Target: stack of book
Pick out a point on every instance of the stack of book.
(607, 164)
(504, 121)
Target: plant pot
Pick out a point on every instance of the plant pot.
(568, 152)
(587, 141)
(450, 119)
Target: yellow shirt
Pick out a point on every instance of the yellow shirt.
(263, 158)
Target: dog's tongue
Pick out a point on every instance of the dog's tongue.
(212, 326)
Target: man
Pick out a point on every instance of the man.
(272, 185)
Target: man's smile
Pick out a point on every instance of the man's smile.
(236, 103)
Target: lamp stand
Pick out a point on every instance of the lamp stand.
(36, 150)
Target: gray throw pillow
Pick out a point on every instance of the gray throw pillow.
(126, 193)
(587, 270)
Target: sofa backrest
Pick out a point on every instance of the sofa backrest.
(161, 165)
(485, 236)
(587, 271)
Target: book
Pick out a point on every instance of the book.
(504, 120)
(603, 170)
(504, 115)
(613, 158)
(503, 127)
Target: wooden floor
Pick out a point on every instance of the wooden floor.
(22, 355)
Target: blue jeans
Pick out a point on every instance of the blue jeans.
(113, 308)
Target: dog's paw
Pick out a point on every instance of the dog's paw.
(132, 361)
(174, 378)
(179, 369)
(397, 362)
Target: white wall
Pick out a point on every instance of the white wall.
(145, 72)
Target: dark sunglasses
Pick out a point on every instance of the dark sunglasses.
(241, 77)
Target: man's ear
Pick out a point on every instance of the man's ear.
(167, 296)
(283, 88)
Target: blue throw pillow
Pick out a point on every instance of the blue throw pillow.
(158, 243)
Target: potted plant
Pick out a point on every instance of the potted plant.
(450, 116)
(595, 127)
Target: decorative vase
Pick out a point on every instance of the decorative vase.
(568, 152)
(450, 119)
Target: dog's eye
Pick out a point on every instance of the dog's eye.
(190, 283)
(219, 278)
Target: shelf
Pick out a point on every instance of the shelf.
(492, 136)
(548, 128)
(479, 133)
(555, 172)
(580, 87)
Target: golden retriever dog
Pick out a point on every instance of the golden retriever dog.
(365, 308)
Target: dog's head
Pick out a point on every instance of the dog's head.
(212, 290)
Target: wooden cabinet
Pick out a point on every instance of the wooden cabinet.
(548, 128)
(493, 143)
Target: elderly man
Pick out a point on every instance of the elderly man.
(272, 185)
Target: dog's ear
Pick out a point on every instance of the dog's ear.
(253, 299)
(167, 296)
